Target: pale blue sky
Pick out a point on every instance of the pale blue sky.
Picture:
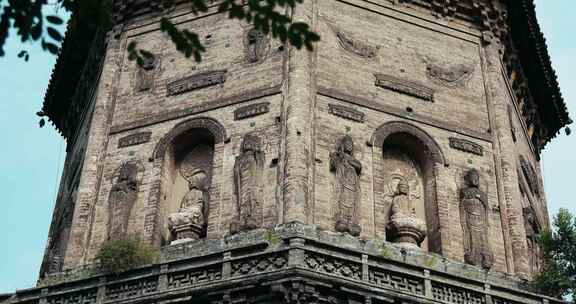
(31, 158)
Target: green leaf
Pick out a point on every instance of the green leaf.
(54, 34)
(50, 47)
(54, 19)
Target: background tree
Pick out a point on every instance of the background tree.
(29, 21)
(558, 276)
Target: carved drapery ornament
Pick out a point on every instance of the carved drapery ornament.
(474, 219)
(452, 76)
(404, 227)
(145, 73)
(347, 186)
(248, 174)
(123, 196)
(356, 47)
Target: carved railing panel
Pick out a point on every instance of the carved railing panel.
(396, 281)
(80, 297)
(260, 264)
(497, 300)
(194, 277)
(333, 266)
(456, 295)
(131, 289)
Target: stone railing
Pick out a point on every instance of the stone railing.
(262, 257)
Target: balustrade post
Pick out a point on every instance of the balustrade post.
(44, 296)
(428, 291)
(296, 252)
(163, 278)
(226, 265)
(101, 293)
(365, 269)
(487, 293)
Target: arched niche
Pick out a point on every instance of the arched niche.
(403, 152)
(189, 150)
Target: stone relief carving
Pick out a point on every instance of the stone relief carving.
(410, 88)
(347, 113)
(54, 262)
(532, 231)
(256, 45)
(62, 219)
(251, 110)
(248, 174)
(347, 186)
(145, 74)
(404, 194)
(258, 265)
(466, 146)
(196, 82)
(189, 222)
(355, 46)
(530, 176)
(123, 196)
(134, 139)
(474, 219)
(404, 227)
(452, 76)
(332, 265)
(511, 122)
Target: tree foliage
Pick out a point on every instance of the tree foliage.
(558, 276)
(27, 19)
(120, 255)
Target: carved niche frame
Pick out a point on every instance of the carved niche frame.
(153, 217)
(429, 159)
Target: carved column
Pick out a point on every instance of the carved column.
(509, 195)
(298, 105)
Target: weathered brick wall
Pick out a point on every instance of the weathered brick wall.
(360, 40)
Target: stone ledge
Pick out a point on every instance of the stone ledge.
(290, 251)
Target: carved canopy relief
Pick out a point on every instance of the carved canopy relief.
(450, 75)
(355, 46)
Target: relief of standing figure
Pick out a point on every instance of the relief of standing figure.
(123, 196)
(347, 186)
(145, 73)
(532, 231)
(474, 220)
(248, 170)
(190, 221)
